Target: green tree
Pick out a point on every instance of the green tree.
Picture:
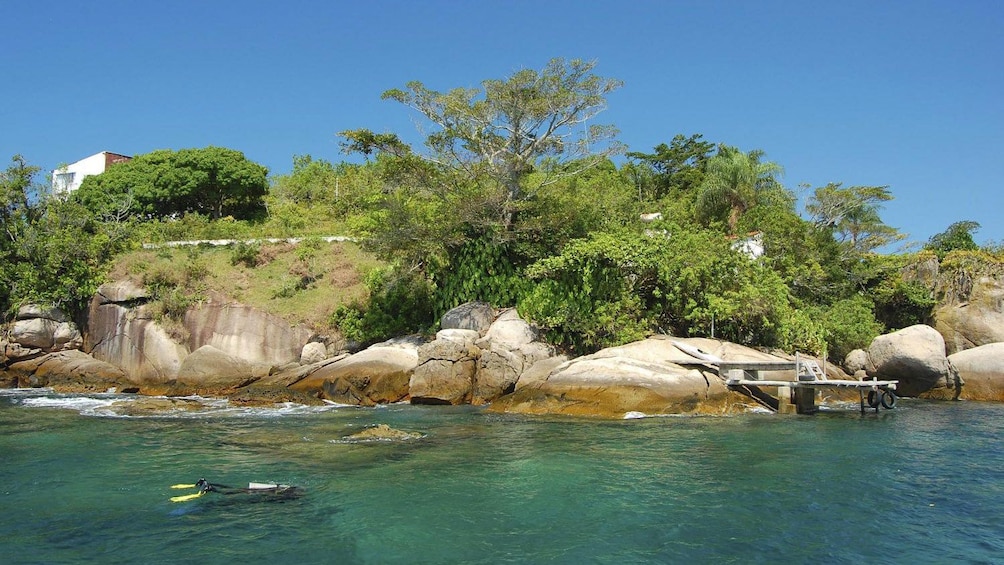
(496, 135)
(958, 236)
(54, 251)
(734, 182)
(213, 181)
(853, 215)
(679, 166)
(478, 197)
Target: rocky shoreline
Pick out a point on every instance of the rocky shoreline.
(480, 356)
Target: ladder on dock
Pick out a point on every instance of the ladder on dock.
(809, 370)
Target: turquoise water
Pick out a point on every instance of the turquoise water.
(920, 484)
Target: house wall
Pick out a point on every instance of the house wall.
(67, 179)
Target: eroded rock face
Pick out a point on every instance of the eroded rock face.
(126, 336)
(976, 321)
(122, 332)
(982, 369)
(915, 356)
(245, 332)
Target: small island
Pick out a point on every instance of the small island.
(521, 259)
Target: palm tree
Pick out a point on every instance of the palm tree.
(734, 182)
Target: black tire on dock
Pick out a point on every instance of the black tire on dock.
(873, 399)
(888, 399)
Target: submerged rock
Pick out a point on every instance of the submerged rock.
(151, 406)
(383, 432)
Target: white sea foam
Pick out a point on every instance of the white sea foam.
(87, 405)
(110, 405)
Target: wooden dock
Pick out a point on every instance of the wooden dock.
(798, 395)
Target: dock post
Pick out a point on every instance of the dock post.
(805, 400)
(785, 401)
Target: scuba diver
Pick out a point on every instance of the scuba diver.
(261, 491)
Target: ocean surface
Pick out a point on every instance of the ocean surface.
(923, 483)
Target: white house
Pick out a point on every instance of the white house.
(67, 179)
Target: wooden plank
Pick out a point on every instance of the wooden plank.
(799, 384)
(725, 366)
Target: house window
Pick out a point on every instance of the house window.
(64, 180)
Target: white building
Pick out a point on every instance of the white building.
(67, 179)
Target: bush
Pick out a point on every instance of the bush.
(617, 287)
(848, 325)
(244, 253)
(399, 304)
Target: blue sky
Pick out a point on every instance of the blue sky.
(906, 94)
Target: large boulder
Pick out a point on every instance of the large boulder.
(510, 346)
(446, 368)
(977, 320)
(36, 333)
(209, 369)
(982, 369)
(509, 330)
(376, 375)
(313, 352)
(67, 371)
(47, 329)
(915, 356)
(651, 376)
(477, 316)
(857, 360)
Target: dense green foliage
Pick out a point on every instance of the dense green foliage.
(958, 237)
(53, 252)
(212, 181)
(399, 303)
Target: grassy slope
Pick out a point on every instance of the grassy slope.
(272, 285)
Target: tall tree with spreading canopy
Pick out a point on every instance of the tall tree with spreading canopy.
(496, 135)
(466, 208)
(52, 251)
(853, 215)
(734, 182)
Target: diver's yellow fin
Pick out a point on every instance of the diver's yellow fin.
(182, 486)
(185, 497)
